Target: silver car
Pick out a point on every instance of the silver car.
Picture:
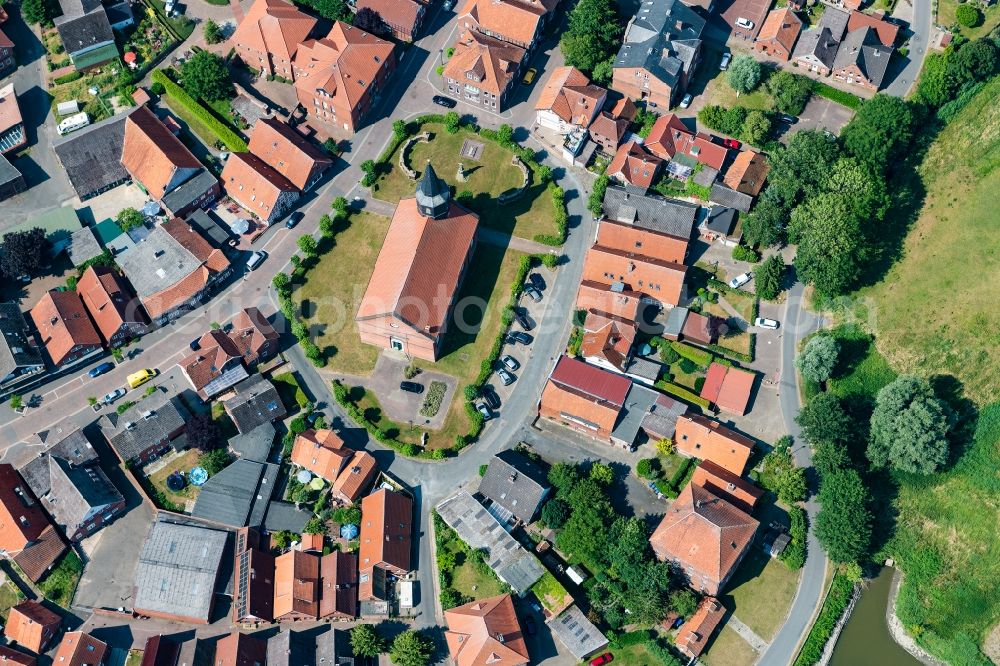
(114, 395)
(740, 280)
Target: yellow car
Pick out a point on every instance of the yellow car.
(137, 379)
(529, 76)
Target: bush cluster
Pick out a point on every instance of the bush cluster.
(229, 138)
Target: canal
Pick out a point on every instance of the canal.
(865, 640)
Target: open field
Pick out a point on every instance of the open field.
(946, 17)
(761, 592)
(486, 178)
(729, 649)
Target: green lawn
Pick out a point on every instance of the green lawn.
(9, 596)
(761, 592)
(719, 92)
(634, 655)
(291, 394)
(134, 658)
(946, 17)
(184, 462)
(487, 178)
(728, 649)
(466, 577)
(60, 585)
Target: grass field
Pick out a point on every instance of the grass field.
(761, 592)
(10, 596)
(184, 462)
(728, 649)
(486, 178)
(466, 578)
(59, 586)
(634, 655)
(946, 17)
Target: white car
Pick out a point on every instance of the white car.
(761, 322)
(686, 102)
(726, 57)
(740, 280)
(746, 24)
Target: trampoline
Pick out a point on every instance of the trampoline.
(176, 482)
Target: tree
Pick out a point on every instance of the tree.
(828, 457)
(16, 402)
(555, 513)
(665, 446)
(398, 127)
(765, 225)
(648, 468)
(602, 474)
(818, 358)
(584, 534)
(843, 525)
(202, 433)
(831, 247)
(603, 72)
(975, 61)
(768, 277)
(790, 92)
(366, 641)
(34, 11)
(823, 419)
(452, 122)
(505, 135)
(282, 283)
(869, 199)
(213, 33)
(315, 525)
(595, 204)
(880, 131)
(564, 477)
(592, 36)
(334, 10)
(968, 16)
(24, 252)
(910, 427)
(128, 219)
(683, 602)
(411, 649)
(307, 244)
(935, 86)
(783, 477)
(743, 74)
(756, 127)
(215, 461)
(726, 120)
(206, 76)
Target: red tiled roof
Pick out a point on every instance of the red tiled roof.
(62, 323)
(152, 154)
(887, 32)
(714, 377)
(485, 633)
(31, 625)
(516, 20)
(355, 477)
(274, 27)
(253, 184)
(671, 136)
(322, 452)
(195, 243)
(492, 63)
(12, 656)
(80, 649)
(728, 388)
(723, 483)
(216, 355)
(296, 584)
(239, 649)
(386, 533)
(747, 173)
(251, 331)
(608, 337)
(570, 95)
(590, 380)
(402, 13)
(608, 128)
(634, 165)
(694, 634)
(781, 26)
(339, 581)
(287, 152)
(707, 439)
(107, 299)
(41, 555)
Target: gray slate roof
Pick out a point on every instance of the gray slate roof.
(256, 444)
(320, 646)
(256, 402)
(92, 156)
(577, 633)
(284, 516)
(262, 500)
(654, 213)
(178, 568)
(156, 263)
(722, 220)
(661, 420)
(216, 234)
(479, 529)
(119, 13)
(15, 348)
(189, 190)
(74, 448)
(863, 48)
(835, 20)
(76, 491)
(818, 42)
(8, 172)
(638, 402)
(147, 428)
(726, 196)
(83, 246)
(227, 497)
(515, 483)
(654, 42)
(85, 31)
(674, 325)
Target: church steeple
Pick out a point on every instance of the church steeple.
(433, 195)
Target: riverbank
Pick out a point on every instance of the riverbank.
(831, 644)
(898, 632)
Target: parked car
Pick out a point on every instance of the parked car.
(515, 337)
(256, 259)
(114, 395)
(510, 363)
(686, 101)
(446, 102)
(537, 281)
(530, 626)
(744, 23)
(656, 491)
(411, 387)
(490, 396)
(726, 57)
(533, 293)
(483, 409)
(521, 317)
(505, 377)
(762, 322)
(529, 76)
(137, 379)
(605, 658)
(787, 119)
(101, 369)
(294, 219)
(732, 144)
(740, 280)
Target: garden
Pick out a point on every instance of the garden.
(149, 41)
(464, 574)
(10, 596)
(59, 586)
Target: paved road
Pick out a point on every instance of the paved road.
(920, 28)
(798, 322)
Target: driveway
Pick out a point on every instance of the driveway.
(820, 113)
(402, 406)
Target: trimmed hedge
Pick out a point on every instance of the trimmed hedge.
(229, 138)
(684, 394)
(835, 95)
(700, 357)
(67, 78)
(794, 554)
(841, 590)
(739, 356)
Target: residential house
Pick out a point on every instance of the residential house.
(634, 166)
(239, 495)
(645, 223)
(887, 31)
(322, 452)
(32, 626)
(747, 173)
(79, 649)
(254, 336)
(117, 313)
(356, 477)
(254, 444)
(339, 77)
(608, 340)
(727, 197)
(661, 51)
(323, 645)
(64, 328)
(81, 500)
(723, 483)
(486, 632)
(817, 47)
(258, 188)
(255, 403)
(156, 159)
(700, 437)
(662, 282)
(569, 101)
(11, 181)
(614, 299)
(215, 367)
(778, 34)
(177, 572)
(670, 139)
(269, 36)
(14, 658)
(239, 649)
(19, 358)
(192, 195)
(696, 632)
(12, 134)
(729, 388)
(172, 269)
(253, 578)
(704, 536)
(288, 152)
(160, 650)
(87, 36)
(338, 586)
(385, 541)
(223, 360)
(400, 18)
(296, 586)
(608, 131)
(720, 224)
(862, 59)
(578, 634)
(26, 535)
(514, 486)
(517, 22)
(92, 156)
(209, 227)
(146, 429)
(8, 63)
(120, 15)
(406, 306)
(483, 69)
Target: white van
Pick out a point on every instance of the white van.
(73, 123)
(256, 259)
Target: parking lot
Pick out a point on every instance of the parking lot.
(821, 113)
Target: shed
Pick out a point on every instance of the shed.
(83, 246)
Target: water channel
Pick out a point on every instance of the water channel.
(865, 640)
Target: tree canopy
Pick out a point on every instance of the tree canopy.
(592, 36)
(213, 33)
(789, 91)
(202, 433)
(24, 252)
(910, 427)
(206, 76)
(555, 513)
(832, 247)
(411, 648)
(823, 419)
(818, 358)
(843, 524)
(128, 219)
(768, 277)
(366, 641)
(744, 73)
(880, 132)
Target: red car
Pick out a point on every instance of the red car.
(731, 143)
(605, 658)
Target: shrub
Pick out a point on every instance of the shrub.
(744, 73)
(682, 393)
(700, 357)
(794, 555)
(837, 599)
(744, 253)
(596, 202)
(968, 16)
(67, 78)
(157, 88)
(688, 366)
(452, 122)
(435, 395)
(648, 468)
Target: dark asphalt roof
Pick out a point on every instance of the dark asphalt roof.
(227, 497)
(721, 220)
(818, 42)
(215, 233)
(152, 419)
(729, 197)
(189, 191)
(284, 516)
(655, 213)
(863, 48)
(662, 39)
(92, 156)
(261, 501)
(256, 402)
(83, 32)
(8, 172)
(256, 444)
(15, 350)
(76, 491)
(515, 483)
